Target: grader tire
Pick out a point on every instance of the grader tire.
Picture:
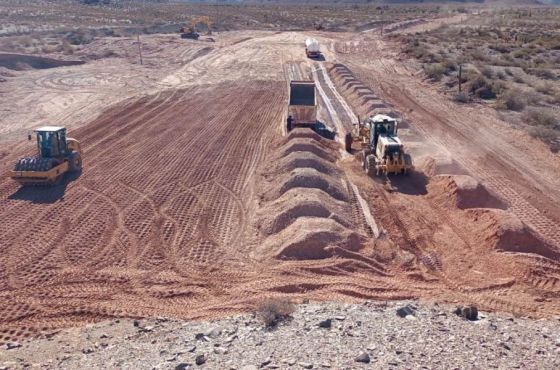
(370, 165)
(407, 163)
(348, 142)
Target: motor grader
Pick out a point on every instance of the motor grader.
(56, 155)
(381, 151)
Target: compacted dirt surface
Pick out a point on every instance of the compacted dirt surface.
(194, 202)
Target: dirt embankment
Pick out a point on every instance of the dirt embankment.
(20, 62)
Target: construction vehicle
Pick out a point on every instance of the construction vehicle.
(302, 109)
(381, 152)
(56, 156)
(312, 49)
(190, 32)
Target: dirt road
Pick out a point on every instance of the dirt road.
(192, 204)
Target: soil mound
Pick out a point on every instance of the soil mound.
(19, 62)
(306, 145)
(503, 231)
(308, 178)
(462, 191)
(431, 166)
(306, 133)
(294, 204)
(363, 100)
(310, 238)
(304, 160)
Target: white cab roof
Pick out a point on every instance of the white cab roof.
(381, 118)
(50, 128)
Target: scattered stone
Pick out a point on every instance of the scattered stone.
(182, 366)
(200, 359)
(213, 332)
(340, 317)
(289, 361)
(146, 329)
(468, 312)
(325, 324)
(191, 349)
(406, 311)
(13, 345)
(266, 362)
(231, 338)
(220, 350)
(363, 358)
(136, 323)
(202, 337)
(249, 367)
(306, 365)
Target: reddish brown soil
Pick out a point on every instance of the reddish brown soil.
(192, 205)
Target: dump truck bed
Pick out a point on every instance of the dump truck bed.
(303, 103)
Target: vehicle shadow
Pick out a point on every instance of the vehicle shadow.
(45, 194)
(415, 183)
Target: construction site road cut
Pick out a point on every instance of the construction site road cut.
(194, 202)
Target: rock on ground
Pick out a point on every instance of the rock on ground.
(368, 335)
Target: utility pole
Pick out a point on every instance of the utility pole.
(460, 77)
(139, 48)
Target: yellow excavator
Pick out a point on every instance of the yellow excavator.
(56, 156)
(190, 32)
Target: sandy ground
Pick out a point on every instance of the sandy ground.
(192, 203)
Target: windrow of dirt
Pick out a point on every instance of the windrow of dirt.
(363, 99)
(305, 208)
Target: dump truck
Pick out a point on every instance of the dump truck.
(381, 150)
(56, 155)
(302, 109)
(312, 48)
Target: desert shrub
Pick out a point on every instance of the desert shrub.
(544, 73)
(543, 133)
(487, 72)
(519, 79)
(481, 87)
(435, 71)
(540, 117)
(479, 55)
(501, 75)
(512, 100)
(509, 71)
(545, 88)
(461, 98)
(274, 311)
(502, 48)
(520, 53)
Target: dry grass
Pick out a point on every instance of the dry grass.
(274, 311)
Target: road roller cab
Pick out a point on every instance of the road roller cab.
(56, 155)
